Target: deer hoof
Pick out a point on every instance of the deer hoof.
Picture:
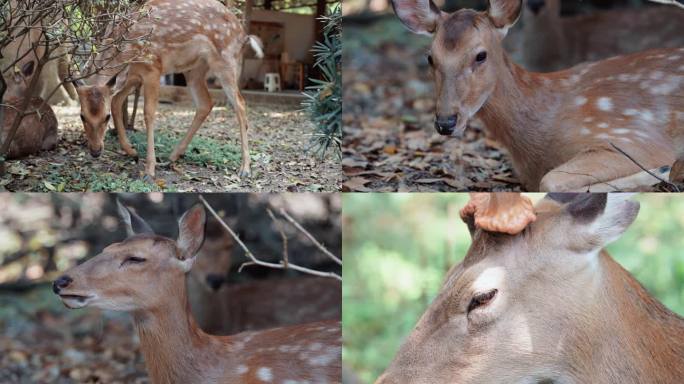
(244, 174)
(148, 179)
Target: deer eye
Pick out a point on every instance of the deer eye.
(82, 118)
(108, 117)
(429, 60)
(481, 57)
(481, 299)
(132, 260)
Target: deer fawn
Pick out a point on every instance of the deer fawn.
(36, 132)
(195, 37)
(551, 42)
(224, 308)
(546, 305)
(144, 275)
(561, 128)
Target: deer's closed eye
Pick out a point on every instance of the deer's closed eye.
(132, 260)
(481, 299)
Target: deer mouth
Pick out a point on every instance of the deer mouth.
(74, 301)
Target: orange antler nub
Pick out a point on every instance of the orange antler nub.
(500, 212)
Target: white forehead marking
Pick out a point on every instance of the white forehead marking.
(489, 278)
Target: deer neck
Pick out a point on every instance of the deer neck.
(638, 340)
(173, 346)
(518, 114)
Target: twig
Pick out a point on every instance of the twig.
(669, 2)
(256, 261)
(644, 169)
(286, 260)
(313, 239)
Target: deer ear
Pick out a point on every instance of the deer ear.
(604, 217)
(191, 233)
(135, 224)
(420, 16)
(504, 13)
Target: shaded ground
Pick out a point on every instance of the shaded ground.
(389, 140)
(43, 342)
(279, 136)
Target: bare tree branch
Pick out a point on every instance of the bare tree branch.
(674, 187)
(256, 261)
(313, 239)
(669, 2)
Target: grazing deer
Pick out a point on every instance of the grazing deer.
(195, 37)
(36, 132)
(546, 305)
(551, 42)
(561, 128)
(144, 275)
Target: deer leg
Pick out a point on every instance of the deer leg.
(197, 84)
(601, 171)
(151, 93)
(118, 101)
(131, 122)
(229, 83)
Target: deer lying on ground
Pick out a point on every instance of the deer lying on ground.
(144, 275)
(195, 37)
(36, 132)
(546, 305)
(551, 42)
(561, 128)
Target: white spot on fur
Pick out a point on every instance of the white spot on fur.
(585, 131)
(580, 100)
(241, 369)
(647, 115)
(264, 374)
(621, 131)
(630, 112)
(604, 104)
(588, 119)
(604, 136)
(602, 125)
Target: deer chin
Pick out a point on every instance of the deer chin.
(74, 301)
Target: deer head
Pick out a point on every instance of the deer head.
(19, 79)
(95, 112)
(138, 273)
(213, 262)
(465, 54)
(521, 308)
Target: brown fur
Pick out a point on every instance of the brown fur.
(37, 131)
(176, 350)
(564, 312)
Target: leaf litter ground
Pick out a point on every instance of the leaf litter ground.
(279, 136)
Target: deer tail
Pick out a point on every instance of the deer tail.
(256, 45)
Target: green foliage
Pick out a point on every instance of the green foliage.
(110, 182)
(398, 247)
(201, 150)
(324, 98)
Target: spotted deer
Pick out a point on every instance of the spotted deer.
(37, 130)
(224, 308)
(566, 130)
(144, 275)
(193, 37)
(551, 42)
(545, 305)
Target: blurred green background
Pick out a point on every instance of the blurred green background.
(398, 247)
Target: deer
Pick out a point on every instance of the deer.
(37, 130)
(566, 131)
(551, 42)
(223, 307)
(193, 37)
(544, 305)
(144, 275)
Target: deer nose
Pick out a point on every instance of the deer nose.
(61, 282)
(445, 125)
(96, 153)
(535, 5)
(215, 281)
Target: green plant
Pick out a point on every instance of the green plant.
(324, 98)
